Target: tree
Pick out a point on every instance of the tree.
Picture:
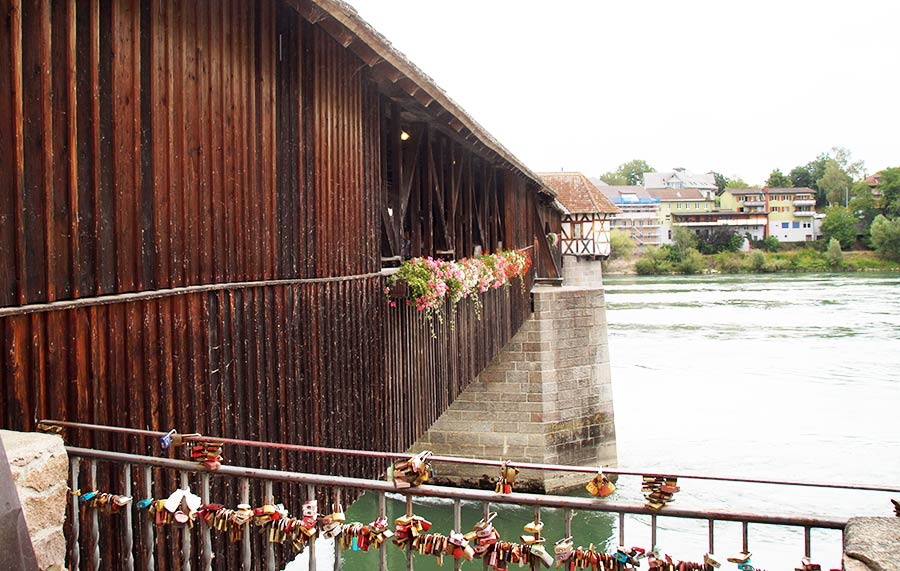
(719, 240)
(721, 181)
(864, 207)
(889, 187)
(630, 173)
(834, 257)
(801, 177)
(738, 182)
(620, 245)
(841, 224)
(777, 179)
(682, 241)
(886, 237)
(835, 183)
(770, 244)
(613, 178)
(856, 170)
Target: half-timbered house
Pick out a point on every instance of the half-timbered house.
(586, 224)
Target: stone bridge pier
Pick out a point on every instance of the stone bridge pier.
(546, 398)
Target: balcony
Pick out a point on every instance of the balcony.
(754, 202)
(804, 213)
(805, 202)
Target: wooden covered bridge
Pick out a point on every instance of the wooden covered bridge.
(196, 199)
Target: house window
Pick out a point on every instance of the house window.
(576, 231)
(796, 225)
(785, 224)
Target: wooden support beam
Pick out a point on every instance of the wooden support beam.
(310, 11)
(423, 98)
(387, 70)
(365, 53)
(337, 31)
(408, 86)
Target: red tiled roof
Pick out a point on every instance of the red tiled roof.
(578, 194)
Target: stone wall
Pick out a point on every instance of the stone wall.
(546, 398)
(872, 544)
(40, 465)
(579, 272)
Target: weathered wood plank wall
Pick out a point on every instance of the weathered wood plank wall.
(219, 158)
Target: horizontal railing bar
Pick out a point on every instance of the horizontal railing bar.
(168, 292)
(472, 461)
(460, 493)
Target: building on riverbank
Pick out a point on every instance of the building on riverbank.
(679, 201)
(751, 224)
(790, 212)
(638, 214)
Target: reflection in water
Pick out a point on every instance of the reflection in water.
(788, 376)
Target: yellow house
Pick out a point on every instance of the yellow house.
(679, 201)
(791, 212)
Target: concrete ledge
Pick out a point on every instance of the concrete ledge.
(872, 544)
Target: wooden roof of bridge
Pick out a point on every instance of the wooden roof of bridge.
(402, 78)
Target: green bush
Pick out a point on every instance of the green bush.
(770, 244)
(729, 262)
(692, 262)
(656, 261)
(886, 237)
(834, 256)
(840, 223)
(757, 261)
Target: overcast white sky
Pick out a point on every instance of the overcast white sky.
(736, 87)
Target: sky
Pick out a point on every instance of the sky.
(739, 88)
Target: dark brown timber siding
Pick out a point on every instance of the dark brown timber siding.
(211, 158)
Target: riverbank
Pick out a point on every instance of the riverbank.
(754, 262)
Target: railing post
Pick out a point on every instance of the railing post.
(409, 549)
(270, 547)
(807, 541)
(382, 549)
(185, 534)
(129, 538)
(245, 540)
(621, 528)
(74, 547)
(149, 541)
(95, 524)
(205, 534)
(567, 523)
(311, 495)
(457, 524)
(337, 543)
(712, 538)
(652, 531)
(485, 509)
(745, 532)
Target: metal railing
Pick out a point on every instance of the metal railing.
(310, 483)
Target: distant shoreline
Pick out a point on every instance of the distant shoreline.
(791, 261)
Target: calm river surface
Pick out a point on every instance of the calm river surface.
(787, 376)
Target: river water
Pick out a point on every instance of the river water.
(775, 376)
